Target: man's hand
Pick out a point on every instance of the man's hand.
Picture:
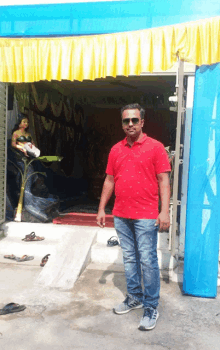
(107, 190)
(100, 218)
(163, 221)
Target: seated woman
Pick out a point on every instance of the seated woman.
(41, 207)
(21, 138)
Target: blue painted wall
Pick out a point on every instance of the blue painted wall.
(100, 17)
(203, 202)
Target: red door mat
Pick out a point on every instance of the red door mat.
(82, 219)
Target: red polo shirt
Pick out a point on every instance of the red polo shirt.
(135, 172)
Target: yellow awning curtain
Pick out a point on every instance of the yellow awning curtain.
(99, 56)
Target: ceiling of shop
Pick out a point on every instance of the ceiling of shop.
(122, 85)
(161, 83)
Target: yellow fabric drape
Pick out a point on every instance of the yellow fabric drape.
(99, 56)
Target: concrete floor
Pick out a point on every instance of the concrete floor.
(82, 318)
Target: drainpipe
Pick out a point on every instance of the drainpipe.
(178, 154)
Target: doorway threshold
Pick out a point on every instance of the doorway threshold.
(82, 219)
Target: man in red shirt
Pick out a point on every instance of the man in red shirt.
(137, 169)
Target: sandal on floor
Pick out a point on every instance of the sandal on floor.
(24, 258)
(112, 241)
(44, 260)
(32, 237)
(12, 257)
(12, 307)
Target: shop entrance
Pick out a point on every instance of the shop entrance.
(85, 126)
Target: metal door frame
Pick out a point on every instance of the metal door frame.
(5, 153)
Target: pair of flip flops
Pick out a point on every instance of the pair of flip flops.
(27, 258)
(44, 260)
(32, 237)
(23, 258)
(11, 308)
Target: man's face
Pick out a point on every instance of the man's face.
(132, 128)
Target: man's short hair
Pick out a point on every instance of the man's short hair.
(134, 106)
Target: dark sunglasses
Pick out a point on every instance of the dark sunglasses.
(126, 121)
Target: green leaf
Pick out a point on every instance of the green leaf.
(48, 159)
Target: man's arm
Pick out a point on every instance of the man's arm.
(163, 219)
(107, 191)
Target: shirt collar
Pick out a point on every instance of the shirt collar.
(142, 140)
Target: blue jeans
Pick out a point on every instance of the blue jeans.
(138, 240)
